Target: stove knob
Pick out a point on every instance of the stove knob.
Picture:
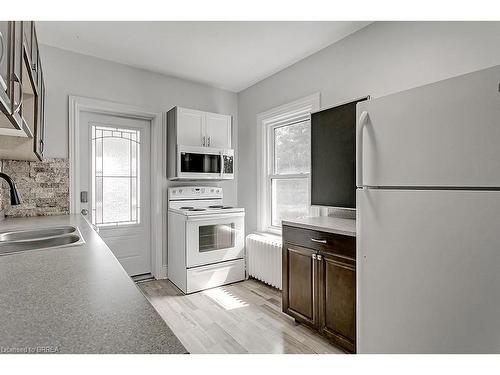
(202, 190)
(174, 191)
(211, 190)
(180, 191)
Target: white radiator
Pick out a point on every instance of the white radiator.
(264, 258)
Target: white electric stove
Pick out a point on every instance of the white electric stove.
(206, 239)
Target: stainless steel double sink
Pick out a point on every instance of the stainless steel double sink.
(16, 241)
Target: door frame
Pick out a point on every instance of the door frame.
(79, 104)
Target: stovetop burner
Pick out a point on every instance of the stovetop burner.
(211, 208)
(221, 207)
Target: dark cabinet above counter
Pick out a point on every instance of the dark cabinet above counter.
(22, 92)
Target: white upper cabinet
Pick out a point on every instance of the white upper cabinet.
(218, 130)
(200, 129)
(190, 127)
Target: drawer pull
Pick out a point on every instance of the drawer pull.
(318, 241)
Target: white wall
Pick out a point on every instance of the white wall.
(67, 73)
(383, 58)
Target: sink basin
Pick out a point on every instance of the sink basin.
(39, 238)
(38, 244)
(29, 234)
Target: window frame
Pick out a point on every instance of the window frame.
(288, 114)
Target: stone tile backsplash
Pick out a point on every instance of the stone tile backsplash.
(43, 187)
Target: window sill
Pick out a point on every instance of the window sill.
(271, 232)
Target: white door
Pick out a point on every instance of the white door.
(115, 171)
(190, 127)
(443, 134)
(218, 129)
(428, 271)
(214, 239)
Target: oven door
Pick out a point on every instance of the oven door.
(199, 163)
(214, 238)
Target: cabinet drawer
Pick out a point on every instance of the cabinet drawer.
(321, 241)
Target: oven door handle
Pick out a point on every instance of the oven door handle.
(215, 216)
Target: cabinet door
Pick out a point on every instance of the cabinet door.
(35, 68)
(300, 284)
(218, 129)
(337, 300)
(190, 127)
(40, 118)
(5, 58)
(16, 73)
(28, 36)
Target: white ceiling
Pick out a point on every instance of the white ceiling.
(229, 55)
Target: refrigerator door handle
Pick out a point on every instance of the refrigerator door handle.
(363, 119)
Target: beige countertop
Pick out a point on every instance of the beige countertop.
(346, 227)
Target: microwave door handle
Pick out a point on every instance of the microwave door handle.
(178, 162)
(221, 165)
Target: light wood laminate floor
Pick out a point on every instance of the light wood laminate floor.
(244, 317)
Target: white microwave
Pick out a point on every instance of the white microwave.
(203, 163)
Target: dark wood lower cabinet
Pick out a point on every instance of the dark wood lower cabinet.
(337, 300)
(319, 283)
(301, 294)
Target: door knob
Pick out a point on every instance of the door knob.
(85, 211)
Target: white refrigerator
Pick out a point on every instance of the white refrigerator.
(428, 218)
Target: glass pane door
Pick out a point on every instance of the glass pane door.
(115, 176)
(216, 237)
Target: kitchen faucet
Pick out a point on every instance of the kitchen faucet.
(14, 194)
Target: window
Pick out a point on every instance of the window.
(289, 174)
(285, 164)
(115, 176)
